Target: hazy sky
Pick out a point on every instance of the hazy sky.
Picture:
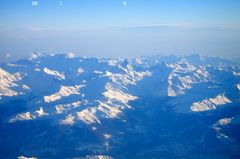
(120, 28)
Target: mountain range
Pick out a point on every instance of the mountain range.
(62, 106)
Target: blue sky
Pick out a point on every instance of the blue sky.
(120, 28)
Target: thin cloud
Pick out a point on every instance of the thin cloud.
(178, 25)
(152, 26)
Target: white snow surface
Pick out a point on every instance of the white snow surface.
(23, 157)
(88, 115)
(217, 127)
(7, 82)
(69, 120)
(97, 157)
(80, 71)
(224, 121)
(115, 81)
(29, 115)
(109, 110)
(22, 116)
(183, 76)
(41, 112)
(113, 94)
(129, 77)
(57, 74)
(64, 91)
(70, 55)
(34, 55)
(238, 86)
(60, 108)
(210, 104)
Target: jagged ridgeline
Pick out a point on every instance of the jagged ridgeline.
(60, 106)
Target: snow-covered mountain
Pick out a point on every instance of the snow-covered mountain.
(145, 107)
